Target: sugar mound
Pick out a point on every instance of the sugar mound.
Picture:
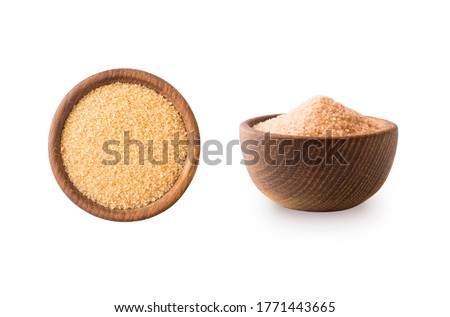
(320, 114)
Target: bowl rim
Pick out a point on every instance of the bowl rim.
(126, 75)
(248, 124)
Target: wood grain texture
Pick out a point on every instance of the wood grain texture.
(318, 187)
(134, 77)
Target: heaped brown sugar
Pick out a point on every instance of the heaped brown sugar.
(318, 116)
(113, 113)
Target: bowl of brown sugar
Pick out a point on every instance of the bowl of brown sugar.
(320, 156)
(124, 145)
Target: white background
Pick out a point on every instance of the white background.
(224, 241)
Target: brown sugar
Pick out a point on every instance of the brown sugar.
(107, 113)
(318, 115)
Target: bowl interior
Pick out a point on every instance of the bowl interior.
(134, 77)
(248, 127)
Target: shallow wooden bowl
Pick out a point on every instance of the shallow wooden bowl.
(135, 77)
(297, 173)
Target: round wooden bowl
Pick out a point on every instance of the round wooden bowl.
(135, 77)
(302, 172)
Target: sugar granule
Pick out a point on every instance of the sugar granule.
(105, 114)
(318, 115)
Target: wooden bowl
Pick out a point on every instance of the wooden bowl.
(302, 172)
(135, 77)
